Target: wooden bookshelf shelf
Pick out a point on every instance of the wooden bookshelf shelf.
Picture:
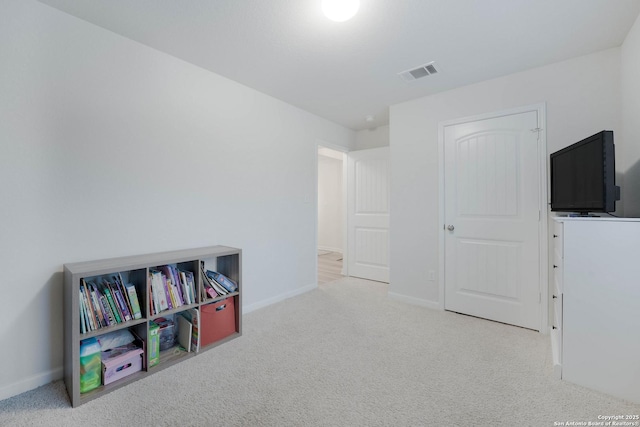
(175, 310)
(117, 327)
(135, 270)
(171, 357)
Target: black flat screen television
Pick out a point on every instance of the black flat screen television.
(583, 176)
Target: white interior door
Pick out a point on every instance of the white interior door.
(492, 219)
(368, 214)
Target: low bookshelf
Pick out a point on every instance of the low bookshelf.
(134, 276)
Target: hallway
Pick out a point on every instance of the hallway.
(329, 266)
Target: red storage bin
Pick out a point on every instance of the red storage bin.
(218, 321)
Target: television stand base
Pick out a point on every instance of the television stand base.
(582, 215)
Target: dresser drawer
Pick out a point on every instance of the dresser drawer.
(557, 310)
(558, 274)
(558, 239)
(556, 333)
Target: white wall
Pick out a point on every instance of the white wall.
(109, 148)
(372, 138)
(582, 96)
(330, 204)
(630, 82)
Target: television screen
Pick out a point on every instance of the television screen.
(583, 176)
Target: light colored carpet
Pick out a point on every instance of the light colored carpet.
(343, 355)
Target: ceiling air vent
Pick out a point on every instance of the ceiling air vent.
(419, 72)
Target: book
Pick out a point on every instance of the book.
(193, 316)
(88, 303)
(83, 325)
(159, 296)
(116, 303)
(122, 305)
(176, 281)
(195, 330)
(104, 305)
(209, 283)
(173, 285)
(175, 293)
(184, 333)
(153, 297)
(96, 305)
(90, 317)
(167, 294)
(154, 344)
(112, 303)
(223, 281)
(124, 298)
(153, 300)
(152, 307)
(191, 281)
(101, 300)
(185, 287)
(124, 293)
(210, 288)
(133, 298)
(112, 312)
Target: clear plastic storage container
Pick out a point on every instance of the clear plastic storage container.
(90, 365)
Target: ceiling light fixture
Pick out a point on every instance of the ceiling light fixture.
(340, 10)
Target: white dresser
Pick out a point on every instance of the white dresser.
(596, 297)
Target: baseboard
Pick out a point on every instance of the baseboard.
(277, 298)
(415, 301)
(330, 249)
(38, 380)
(30, 383)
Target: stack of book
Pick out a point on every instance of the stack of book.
(107, 302)
(217, 284)
(171, 288)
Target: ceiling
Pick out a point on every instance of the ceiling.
(347, 71)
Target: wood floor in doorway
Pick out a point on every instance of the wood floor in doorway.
(329, 266)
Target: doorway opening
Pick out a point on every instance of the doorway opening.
(331, 217)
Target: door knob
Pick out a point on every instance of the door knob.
(450, 228)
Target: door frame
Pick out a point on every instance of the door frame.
(345, 253)
(543, 237)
